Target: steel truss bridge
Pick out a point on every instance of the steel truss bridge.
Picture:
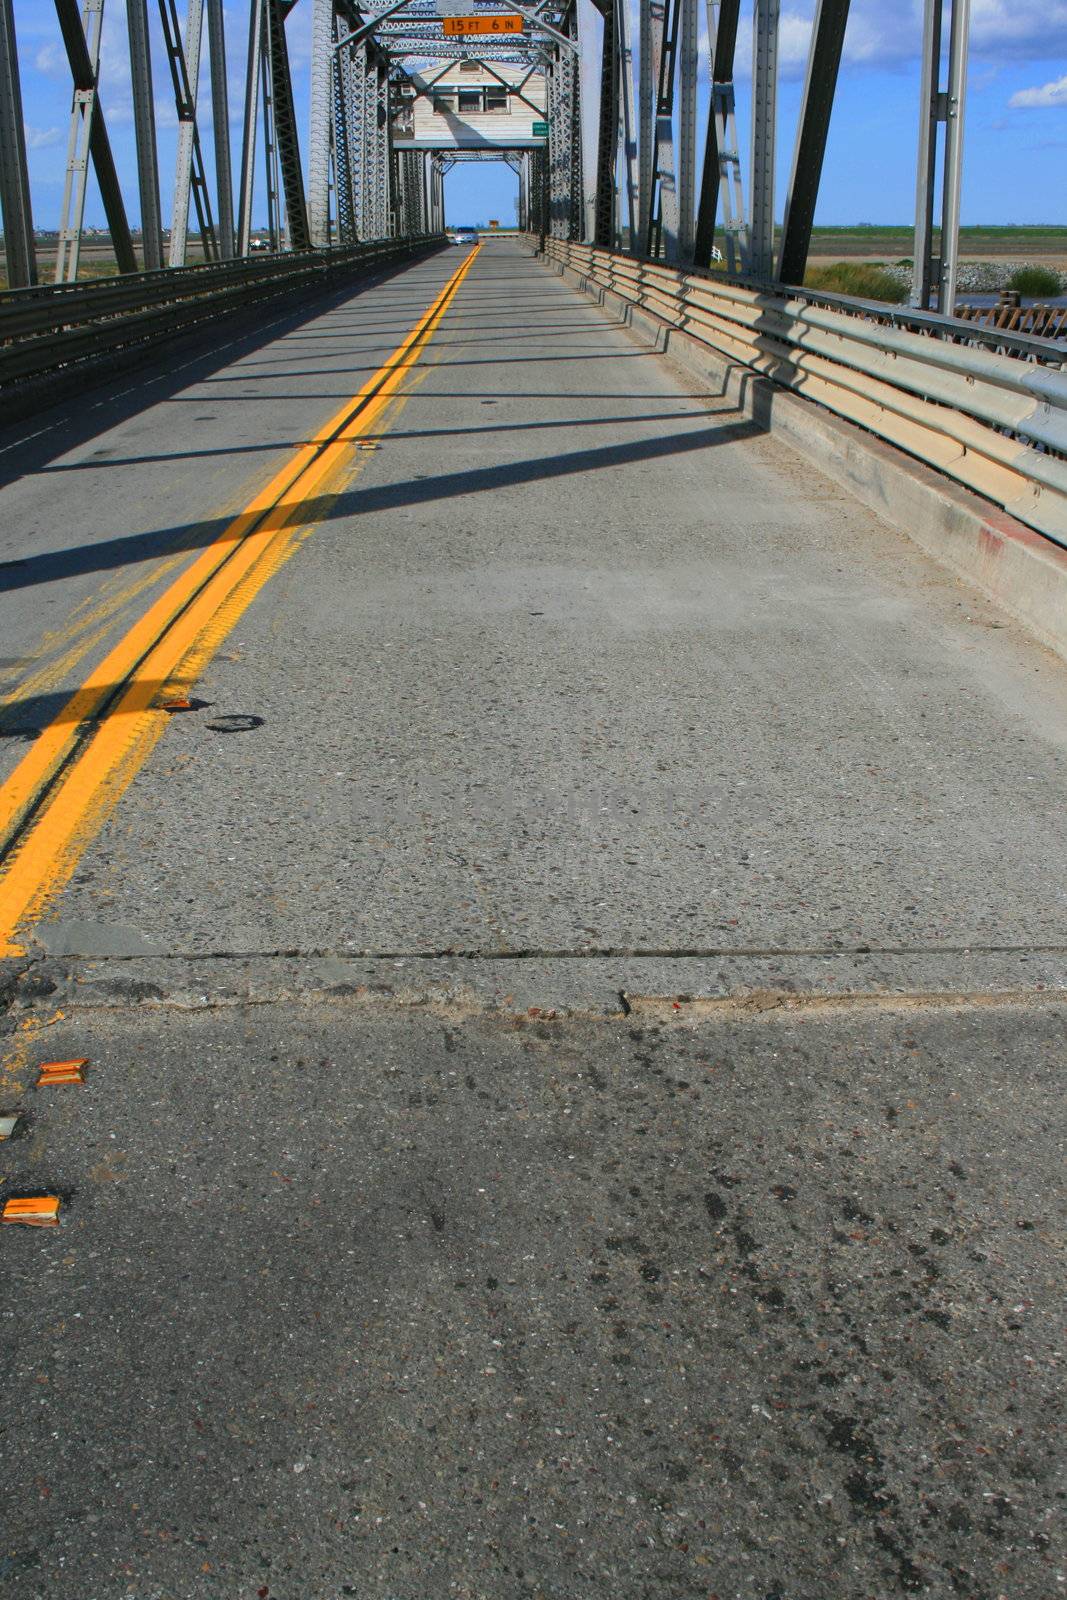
(344, 180)
(533, 937)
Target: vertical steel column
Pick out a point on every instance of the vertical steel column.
(687, 127)
(924, 264)
(189, 169)
(371, 220)
(220, 122)
(323, 66)
(14, 173)
(144, 122)
(607, 131)
(555, 138)
(577, 227)
(251, 113)
(645, 95)
(663, 216)
(764, 102)
(722, 164)
(275, 221)
(342, 137)
(375, 180)
(542, 193)
(359, 135)
(935, 270)
(83, 110)
(627, 124)
(950, 194)
(186, 83)
(285, 129)
(383, 167)
(84, 74)
(396, 223)
(824, 60)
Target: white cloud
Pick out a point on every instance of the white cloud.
(889, 33)
(51, 61)
(41, 138)
(1050, 94)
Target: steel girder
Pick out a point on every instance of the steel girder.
(220, 123)
(251, 114)
(189, 172)
(344, 173)
(565, 140)
(935, 271)
(322, 121)
(144, 124)
(285, 130)
(357, 188)
(764, 130)
(14, 173)
(88, 139)
(661, 226)
(608, 130)
(824, 61)
(721, 172)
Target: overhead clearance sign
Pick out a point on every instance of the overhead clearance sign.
(458, 25)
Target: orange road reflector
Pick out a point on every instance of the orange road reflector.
(62, 1072)
(176, 702)
(8, 1126)
(450, 26)
(40, 1211)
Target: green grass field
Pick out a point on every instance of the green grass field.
(831, 248)
(896, 244)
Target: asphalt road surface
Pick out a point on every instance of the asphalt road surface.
(574, 1010)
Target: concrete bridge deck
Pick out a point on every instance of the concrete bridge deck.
(573, 1009)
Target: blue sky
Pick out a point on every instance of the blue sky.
(1016, 127)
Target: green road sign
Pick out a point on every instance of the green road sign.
(540, 130)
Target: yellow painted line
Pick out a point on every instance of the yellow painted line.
(66, 792)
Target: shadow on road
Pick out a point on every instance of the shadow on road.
(106, 554)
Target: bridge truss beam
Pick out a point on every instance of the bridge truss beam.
(348, 177)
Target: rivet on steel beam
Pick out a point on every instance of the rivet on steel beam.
(53, 1072)
(39, 1211)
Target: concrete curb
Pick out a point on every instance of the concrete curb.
(1018, 568)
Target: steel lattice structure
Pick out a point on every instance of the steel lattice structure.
(354, 176)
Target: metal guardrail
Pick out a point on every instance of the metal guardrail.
(1047, 322)
(46, 330)
(995, 422)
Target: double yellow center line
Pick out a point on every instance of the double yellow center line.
(65, 786)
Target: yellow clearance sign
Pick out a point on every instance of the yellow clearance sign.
(454, 25)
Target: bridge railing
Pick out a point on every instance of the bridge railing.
(49, 332)
(990, 412)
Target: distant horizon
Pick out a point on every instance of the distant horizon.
(44, 231)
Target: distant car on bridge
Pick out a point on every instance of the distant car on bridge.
(463, 235)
